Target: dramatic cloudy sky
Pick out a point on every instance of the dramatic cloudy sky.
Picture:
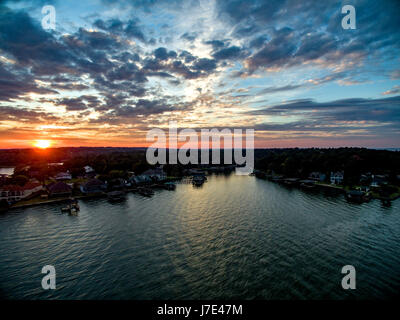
(114, 69)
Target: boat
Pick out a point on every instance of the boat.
(169, 186)
(290, 181)
(198, 180)
(146, 192)
(115, 196)
(66, 209)
(307, 184)
(357, 196)
(71, 210)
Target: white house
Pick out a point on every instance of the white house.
(318, 176)
(88, 169)
(63, 176)
(337, 177)
(13, 193)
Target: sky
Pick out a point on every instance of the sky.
(113, 70)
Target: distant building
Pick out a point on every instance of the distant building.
(55, 164)
(366, 178)
(89, 172)
(59, 189)
(337, 177)
(317, 176)
(63, 176)
(88, 169)
(93, 186)
(378, 180)
(140, 179)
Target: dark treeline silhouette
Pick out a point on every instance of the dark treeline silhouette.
(289, 162)
(352, 161)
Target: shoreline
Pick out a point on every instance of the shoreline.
(321, 186)
(39, 202)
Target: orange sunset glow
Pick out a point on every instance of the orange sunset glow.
(42, 144)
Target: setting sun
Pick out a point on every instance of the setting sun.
(42, 144)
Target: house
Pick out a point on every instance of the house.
(317, 176)
(378, 180)
(156, 174)
(14, 193)
(365, 178)
(337, 177)
(117, 184)
(89, 172)
(140, 179)
(63, 176)
(59, 189)
(364, 188)
(11, 193)
(88, 169)
(93, 186)
(32, 188)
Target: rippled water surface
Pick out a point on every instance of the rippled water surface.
(235, 237)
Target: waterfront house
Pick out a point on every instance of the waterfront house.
(337, 177)
(11, 193)
(14, 193)
(63, 176)
(378, 181)
(88, 169)
(140, 179)
(317, 176)
(156, 174)
(93, 186)
(59, 189)
(89, 172)
(32, 188)
(364, 189)
(116, 184)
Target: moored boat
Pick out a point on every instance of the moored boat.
(146, 192)
(114, 196)
(198, 180)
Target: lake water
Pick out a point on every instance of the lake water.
(236, 237)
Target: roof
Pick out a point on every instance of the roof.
(11, 187)
(88, 169)
(31, 185)
(14, 187)
(153, 172)
(59, 187)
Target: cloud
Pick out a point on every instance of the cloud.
(117, 69)
(394, 90)
(228, 53)
(385, 110)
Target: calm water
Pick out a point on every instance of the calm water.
(236, 237)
